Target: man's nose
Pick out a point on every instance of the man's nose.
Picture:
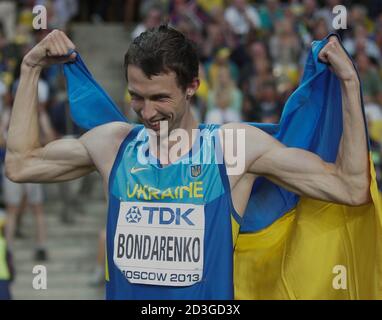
(148, 111)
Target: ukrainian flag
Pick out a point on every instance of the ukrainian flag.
(288, 247)
(294, 247)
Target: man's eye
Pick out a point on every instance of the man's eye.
(161, 99)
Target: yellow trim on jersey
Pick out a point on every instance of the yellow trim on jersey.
(235, 229)
(106, 266)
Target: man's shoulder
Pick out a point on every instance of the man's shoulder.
(108, 134)
(237, 131)
(238, 125)
(103, 143)
(111, 130)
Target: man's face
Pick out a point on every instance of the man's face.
(156, 99)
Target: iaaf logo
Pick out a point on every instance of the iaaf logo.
(133, 215)
(160, 215)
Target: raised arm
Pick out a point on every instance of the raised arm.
(347, 180)
(26, 160)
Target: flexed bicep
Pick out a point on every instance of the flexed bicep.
(304, 173)
(297, 170)
(60, 160)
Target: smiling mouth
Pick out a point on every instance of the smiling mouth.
(156, 124)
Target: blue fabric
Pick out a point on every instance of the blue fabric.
(311, 120)
(90, 105)
(5, 292)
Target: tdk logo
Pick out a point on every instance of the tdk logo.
(164, 215)
(133, 215)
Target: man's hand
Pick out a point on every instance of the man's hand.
(53, 49)
(339, 62)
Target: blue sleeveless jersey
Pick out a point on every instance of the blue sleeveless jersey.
(169, 229)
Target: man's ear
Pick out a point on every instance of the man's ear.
(192, 88)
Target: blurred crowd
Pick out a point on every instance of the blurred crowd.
(252, 55)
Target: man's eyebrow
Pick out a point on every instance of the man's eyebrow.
(159, 96)
(133, 93)
(154, 96)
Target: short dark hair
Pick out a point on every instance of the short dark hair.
(162, 50)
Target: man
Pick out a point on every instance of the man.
(169, 222)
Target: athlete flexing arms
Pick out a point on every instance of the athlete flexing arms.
(162, 74)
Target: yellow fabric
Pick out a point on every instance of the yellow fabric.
(106, 266)
(210, 5)
(294, 258)
(127, 97)
(235, 230)
(375, 130)
(4, 271)
(202, 91)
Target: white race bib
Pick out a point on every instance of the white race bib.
(160, 243)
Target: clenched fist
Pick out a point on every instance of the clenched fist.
(339, 62)
(54, 48)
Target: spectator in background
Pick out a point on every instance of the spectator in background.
(3, 38)
(225, 99)
(60, 12)
(14, 192)
(361, 43)
(378, 32)
(221, 60)
(370, 79)
(152, 18)
(372, 92)
(250, 111)
(187, 11)
(257, 71)
(242, 17)
(269, 107)
(284, 45)
(211, 6)
(270, 13)
(218, 35)
(321, 30)
(327, 14)
(6, 265)
(309, 13)
(285, 48)
(8, 15)
(357, 16)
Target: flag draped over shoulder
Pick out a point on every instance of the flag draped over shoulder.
(289, 247)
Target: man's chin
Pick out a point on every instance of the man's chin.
(157, 132)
